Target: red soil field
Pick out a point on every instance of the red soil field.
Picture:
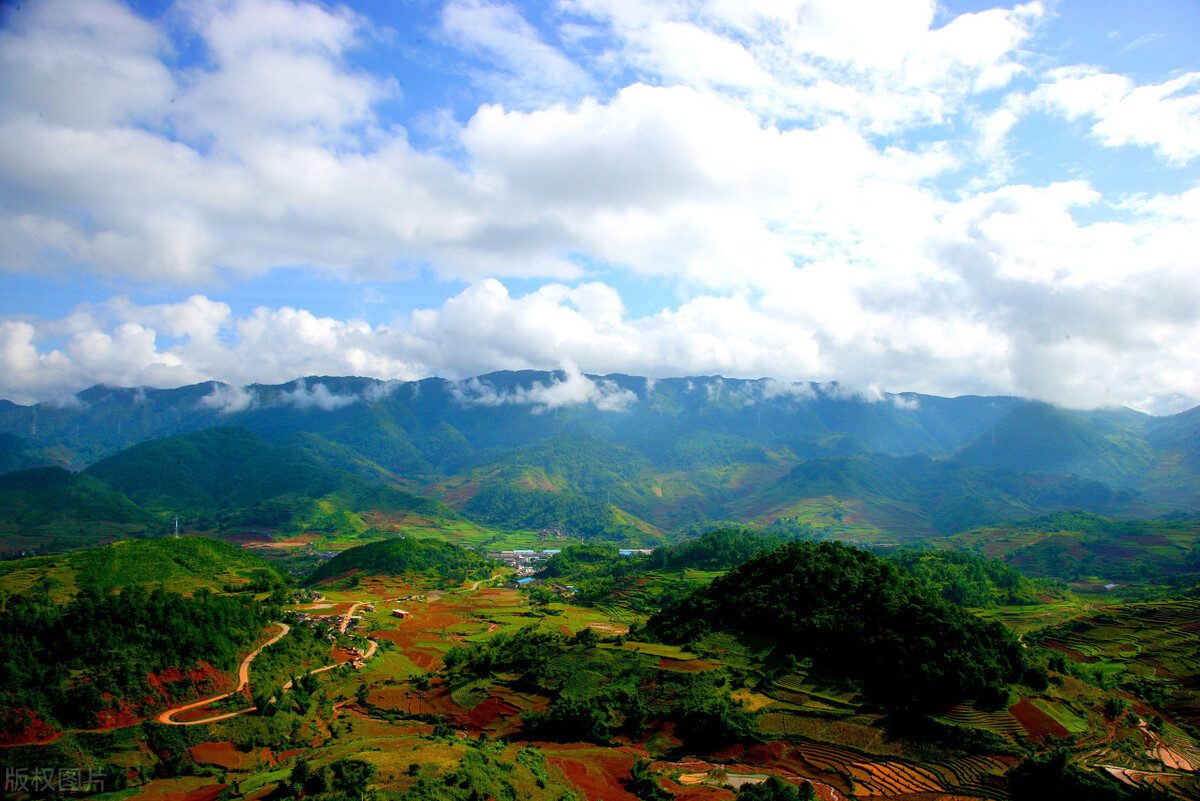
(699, 792)
(210, 793)
(424, 658)
(225, 755)
(685, 665)
(341, 655)
(598, 775)
(204, 678)
(491, 710)
(1037, 723)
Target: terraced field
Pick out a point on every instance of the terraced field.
(1001, 722)
(1152, 647)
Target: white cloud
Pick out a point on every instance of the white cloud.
(317, 396)
(794, 171)
(1165, 116)
(228, 399)
(530, 68)
(573, 388)
(83, 63)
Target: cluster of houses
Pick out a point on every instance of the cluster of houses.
(525, 561)
(358, 659)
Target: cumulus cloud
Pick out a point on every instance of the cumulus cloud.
(228, 399)
(790, 171)
(571, 388)
(1164, 116)
(317, 396)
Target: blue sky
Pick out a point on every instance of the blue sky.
(895, 194)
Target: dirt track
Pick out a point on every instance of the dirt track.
(243, 680)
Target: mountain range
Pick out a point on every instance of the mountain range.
(617, 457)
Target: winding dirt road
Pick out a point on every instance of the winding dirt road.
(168, 716)
(243, 679)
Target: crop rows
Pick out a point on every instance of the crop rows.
(827, 757)
(616, 613)
(893, 778)
(1000, 722)
(1164, 782)
(792, 681)
(583, 683)
(967, 771)
(569, 663)
(471, 694)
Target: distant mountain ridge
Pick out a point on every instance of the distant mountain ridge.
(665, 454)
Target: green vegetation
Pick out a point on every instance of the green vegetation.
(599, 692)
(858, 616)
(810, 648)
(598, 572)
(775, 789)
(969, 580)
(247, 480)
(1073, 546)
(180, 564)
(109, 654)
(514, 507)
(408, 557)
(1052, 777)
(50, 507)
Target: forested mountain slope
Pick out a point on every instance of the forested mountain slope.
(631, 456)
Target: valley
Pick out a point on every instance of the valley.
(740, 593)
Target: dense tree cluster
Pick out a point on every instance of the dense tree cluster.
(598, 690)
(858, 616)
(69, 662)
(597, 571)
(410, 556)
(720, 549)
(514, 507)
(969, 580)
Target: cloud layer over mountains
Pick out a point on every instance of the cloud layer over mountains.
(814, 190)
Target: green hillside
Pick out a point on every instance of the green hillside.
(14, 454)
(1040, 438)
(569, 512)
(877, 497)
(95, 659)
(859, 617)
(409, 557)
(244, 478)
(665, 455)
(972, 581)
(180, 564)
(1075, 546)
(213, 469)
(49, 507)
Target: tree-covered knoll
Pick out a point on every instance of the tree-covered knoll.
(405, 557)
(719, 549)
(108, 653)
(969, 580)
(52, 501)
(598, 571)
(181, 564)
(599, 692)
(857, 616)
(515, 507)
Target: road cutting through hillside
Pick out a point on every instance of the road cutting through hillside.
(168, 716)
(243, 680)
